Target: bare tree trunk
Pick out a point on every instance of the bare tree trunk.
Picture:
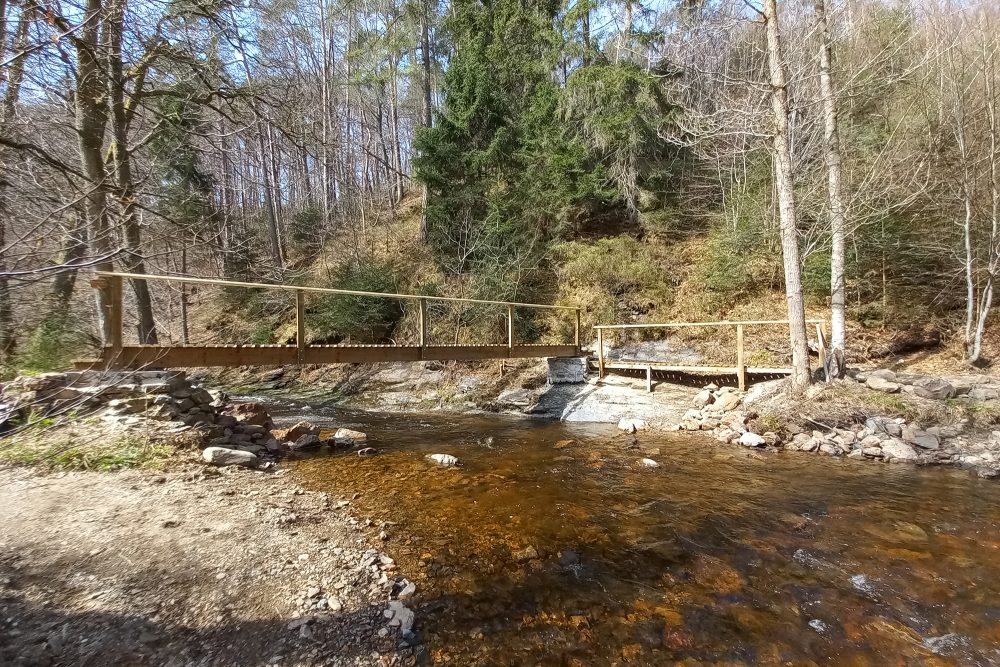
(425, 61)
(8, 339)
(91, 122)
(132, 259)
(784, 183)
(74, 250)
(838, 232)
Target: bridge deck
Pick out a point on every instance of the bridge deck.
(275, 355)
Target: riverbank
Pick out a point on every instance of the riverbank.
(877, 415)
(193, 565)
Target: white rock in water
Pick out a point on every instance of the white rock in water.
(751, 439)
(443, 459)
(348, 437)
(630, 425)
(222, 456)
(649, 463)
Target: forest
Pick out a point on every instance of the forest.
(646, 160)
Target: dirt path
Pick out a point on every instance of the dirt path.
(188, 568)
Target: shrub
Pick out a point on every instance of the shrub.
(51, 347)
(619, 277)
(360, 318)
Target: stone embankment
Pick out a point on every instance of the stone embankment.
(164, 403)
(735, 418)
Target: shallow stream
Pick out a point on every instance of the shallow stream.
(553, 545)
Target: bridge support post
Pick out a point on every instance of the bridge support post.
(510, 328)
(300, 325)
(600, 354)
(576, 332)
(741, 366)
(422, 318)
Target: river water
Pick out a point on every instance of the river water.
(717, 556)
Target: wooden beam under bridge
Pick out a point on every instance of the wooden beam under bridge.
(156, 356)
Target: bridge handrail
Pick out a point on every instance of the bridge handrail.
(741, 368)
(720, 323)
(326, 290)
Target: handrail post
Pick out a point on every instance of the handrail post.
(510, 327)
(576, 332)
(741, 367)
(115, 315)
(422, 320)
(600, 354)
(300, 325)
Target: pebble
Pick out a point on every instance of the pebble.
(446, 460)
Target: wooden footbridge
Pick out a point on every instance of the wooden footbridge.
(116, 354)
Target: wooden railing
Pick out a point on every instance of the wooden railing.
(740, 369)
(117, 354)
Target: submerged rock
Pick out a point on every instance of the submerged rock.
(444, 459)
(525, 554)
(221, 456)
(649, 463)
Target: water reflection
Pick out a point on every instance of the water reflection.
(553, 545)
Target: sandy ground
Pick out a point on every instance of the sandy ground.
(190, 567)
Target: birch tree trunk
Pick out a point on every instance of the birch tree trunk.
(784, 186)
(838, 232)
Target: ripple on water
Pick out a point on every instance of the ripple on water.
(551, 545)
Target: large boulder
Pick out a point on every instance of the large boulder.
(305, 442)
(251, 413)
(345, 436)
(297, 431)
(222, 456)
(921, 439)
(935, 388)
(727, 400)
(899, 450)
(703, 398)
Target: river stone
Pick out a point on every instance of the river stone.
(829, 448)
(751, 439)
(881, 384)
(921, 439)
(883, 373)
(897, 449)
(304, 442)
(297, 431)
(727, 400)
(525, 554)
(220, 456)
(345, 436)
(703, 398)
(874, 452)
(935, 388)
(399, 616)
(810, 445)
(444, 459)
(649, 463)
(630, 425)
(984, 393)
